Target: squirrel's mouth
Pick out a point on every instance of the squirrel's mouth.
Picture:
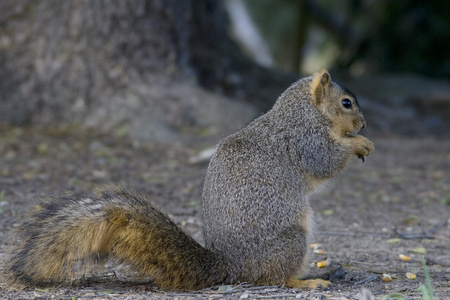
(351, 134)
(361, 125)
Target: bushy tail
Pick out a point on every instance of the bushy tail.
(73, 233)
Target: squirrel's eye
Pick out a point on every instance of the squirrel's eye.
(347, 103)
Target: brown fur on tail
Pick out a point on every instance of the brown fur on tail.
(70, 234)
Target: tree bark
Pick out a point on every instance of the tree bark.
(61, 60)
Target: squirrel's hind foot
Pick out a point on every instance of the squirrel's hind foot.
(307, 284)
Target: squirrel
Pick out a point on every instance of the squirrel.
(255, 205)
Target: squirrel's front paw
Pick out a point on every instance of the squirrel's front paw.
(363, 147)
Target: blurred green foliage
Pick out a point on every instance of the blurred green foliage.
(277, 21)
(370, 36)
(415, 36)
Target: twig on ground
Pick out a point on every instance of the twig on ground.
(434, 262)
(420, 235)
(250, 289)
(277, 296)
(410, 236)
(257, 290)
(368, 279)
(240, 288)
(354, 233)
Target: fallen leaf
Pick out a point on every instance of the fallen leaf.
(328, 212)
(393, 241)
(224, 288)
(420, 250)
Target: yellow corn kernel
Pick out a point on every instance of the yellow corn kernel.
(314, 246)
(404, 257)
(319, 252)
(322, 264)
(386, 277)
(411, 276)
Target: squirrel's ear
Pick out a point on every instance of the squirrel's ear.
(319, 85)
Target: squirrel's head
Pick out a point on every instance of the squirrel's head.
(337, 104)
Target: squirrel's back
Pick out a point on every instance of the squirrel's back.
(254, 181)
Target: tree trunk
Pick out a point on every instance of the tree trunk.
(93, 61)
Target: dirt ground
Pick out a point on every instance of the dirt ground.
(397, 202)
